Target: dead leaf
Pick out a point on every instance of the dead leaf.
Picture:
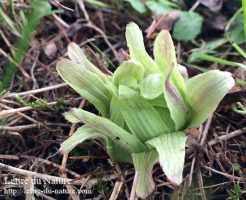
(163, 22)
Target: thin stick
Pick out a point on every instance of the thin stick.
(18, 128)
(231, 177)
(122, 178)
(116, 190)
(227, 136)
(134, 186)
(20, 114)
(5, 113)
(23, 172)
(205, 131)
(46, 177)
(194, 6)
(200, 182)
(82, 7)
(191, 171)
(36, 91)
(62, 22)
(64, 7)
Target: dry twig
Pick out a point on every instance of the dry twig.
(227, 136)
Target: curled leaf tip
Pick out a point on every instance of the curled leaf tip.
(71, 117)
(183, 70)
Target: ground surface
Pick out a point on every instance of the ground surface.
(30, 137)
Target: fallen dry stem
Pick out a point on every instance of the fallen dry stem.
(89, 183)
(116, 190)
(9, 112)
(11, 95)
(229, 176)
(227, 136)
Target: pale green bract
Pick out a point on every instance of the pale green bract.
(146, 106)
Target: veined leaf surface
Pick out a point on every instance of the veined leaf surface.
(117, 153)
(152, 86)
(88, 84)
(143, 164)
(107, 128)
(83, 133)
(141, 117)
(76, 54)
(127, 71)
(171, 150)
(115, 114)
(205, 92)
(176, 104)
(165, 57)
(135, 43)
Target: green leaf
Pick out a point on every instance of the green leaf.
(83, 133)
(205, 92)
(135, 43)
(171, 150)
(143, 164)
(115, 114)
(109, 129)
(236, 30)
(128, 71)
(176, 104)
(141, 118)
(203, 56)
(158, 102)
(117, 153)
(42, 8)
(126, 92)
(158, 7)
(208, 47)
(76, 54)
(88, 84)
(138, 5)
(166, 117)
(188, 26)
(152, 86)
(165, 57)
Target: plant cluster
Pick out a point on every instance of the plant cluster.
(145, 106)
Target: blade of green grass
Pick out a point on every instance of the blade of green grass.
(38, 10)
(220, 60)
(11, 24)
(244, 15)
(239, 49)
(103, 55)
